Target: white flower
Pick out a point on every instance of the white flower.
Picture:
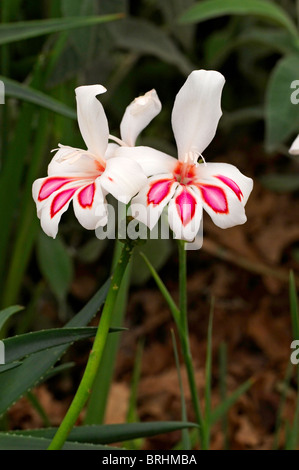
(294, 149)
(184, 185)
(86, 176)
(137, 116)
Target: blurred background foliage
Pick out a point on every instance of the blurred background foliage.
(45, 54)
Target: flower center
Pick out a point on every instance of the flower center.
(184, 173)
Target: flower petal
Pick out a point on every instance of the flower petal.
(90, 206)
(54, 206)
(122, 178)
(92, 119)
(228, 177)
(222, 205)
(72, 162)
(149, 203)
(152, 161)
(294, 149)
(196, 111)
(185, 213)
(138, 115)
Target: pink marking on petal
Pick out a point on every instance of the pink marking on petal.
(86, 196)
(61, 199)
(215, 198)
(51, 185)
(232, 185)
(186, 205)
(158, 191)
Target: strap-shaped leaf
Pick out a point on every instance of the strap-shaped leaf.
(15, 442)
(26, 93)
(11, 32)
(20, 346)
(8, 312)
(110, 433)
(15, 382)
(209, 9)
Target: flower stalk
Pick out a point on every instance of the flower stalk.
(185, 343)
(96, 353)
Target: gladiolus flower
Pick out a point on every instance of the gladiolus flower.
(86, 176)
(182, 184)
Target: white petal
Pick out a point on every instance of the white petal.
(149, 203)
(122, 178)
(294, 150)
(53, 208)
(111, 149)
(72, 162)
(228, 177)
(222, 205)
(90, 206)
(196, 111)
(152, 161)
(92, 119)
(138, 115)
(185, 213)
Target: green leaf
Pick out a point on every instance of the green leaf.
(157, 251)
(280, 183)
(294, 306)
(55, 264)
(25, 93)
(97, 404)
(11, 32)
(6, 367)
(223, 408)
(209, 9)
(143, 37)
(110, 433)
(282, 116)
(8, 312)
(20, 346)
(15, 382)
(17, 442)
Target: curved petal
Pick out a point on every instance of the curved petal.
(92, 119)
(72, 162)
(122, 178)
(196, 111)
(111, 149)
(90, 206)
(52, 208)
(228, 177)
(149, 203)
(294, 149)
(222, 205)
(138, 115)
(185, 213)
(152, 162)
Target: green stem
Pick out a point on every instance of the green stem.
(96, 353)
(185, 344)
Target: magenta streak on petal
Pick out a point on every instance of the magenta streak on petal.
(61, 199)
(185, 204)
(232, 185)
(86, 195)
(51, 185)
(158, 191)
(215, 198)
